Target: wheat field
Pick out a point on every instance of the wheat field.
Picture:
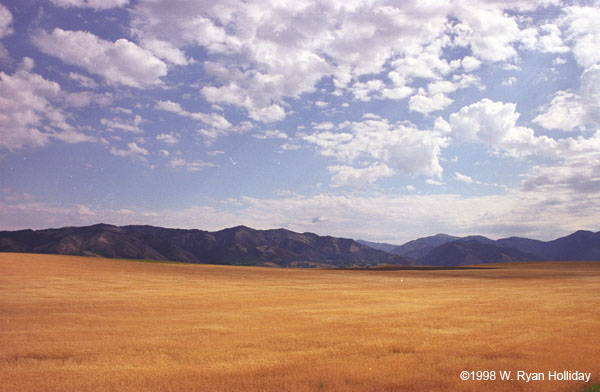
(90, 324)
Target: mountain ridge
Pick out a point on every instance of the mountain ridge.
(242, 245)
(239, 245)
(582, 245)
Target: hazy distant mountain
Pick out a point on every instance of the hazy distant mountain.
(472, 251)
(420, 247)
(581, 245)
(378, 245)
(236, 246)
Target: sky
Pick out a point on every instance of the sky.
(376, 120)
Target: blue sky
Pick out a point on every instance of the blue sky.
(378, 120)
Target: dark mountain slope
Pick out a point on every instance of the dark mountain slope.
(237, 245)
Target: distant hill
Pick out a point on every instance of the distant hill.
(284, 248)
(581, 245)
(379, 245)
(418, 248)
(447, 250)
(234, 246)
(472, 251)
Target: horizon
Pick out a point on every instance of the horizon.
(305, 232)
(336, 118)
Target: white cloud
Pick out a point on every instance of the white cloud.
(264, 53)
(96, 4)
(5, 28)
(5, 21)
(470, 63)
(565, 112)
(495, 124)
(424, 103)
(194, 166)
(124, 125)
(324, 126)
(569, 110)
(431, 181)
(583, 30)
(358, 177)
(216, 124)
(559, 61)
(550, 41)
(166, 51)
(509, 82)
(396, 92)
(271, 134)
(213, 120)
(267, 114)
(86, 98)
(489, 31)
(29, 115)
(268, 52)
(120, 62)
(83, 80)
(132, 150)
(463, 178)
(576, 174)
(399, 146)
(168, 138)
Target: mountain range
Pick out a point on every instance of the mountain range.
(233, 246)
(242, 245)
(446, 250)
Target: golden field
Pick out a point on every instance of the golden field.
(88, 324)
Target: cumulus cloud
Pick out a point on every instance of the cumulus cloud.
(269, 52)
(120, 63)
(386, 146)
(570, 110)
(424, 103)
(495, 125)
(168, 138)
(264, 53)
(488, 31)
(583, 31)
(29, 115)
(576, 173)
(470, 63)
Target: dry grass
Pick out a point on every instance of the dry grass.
(85, 324)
